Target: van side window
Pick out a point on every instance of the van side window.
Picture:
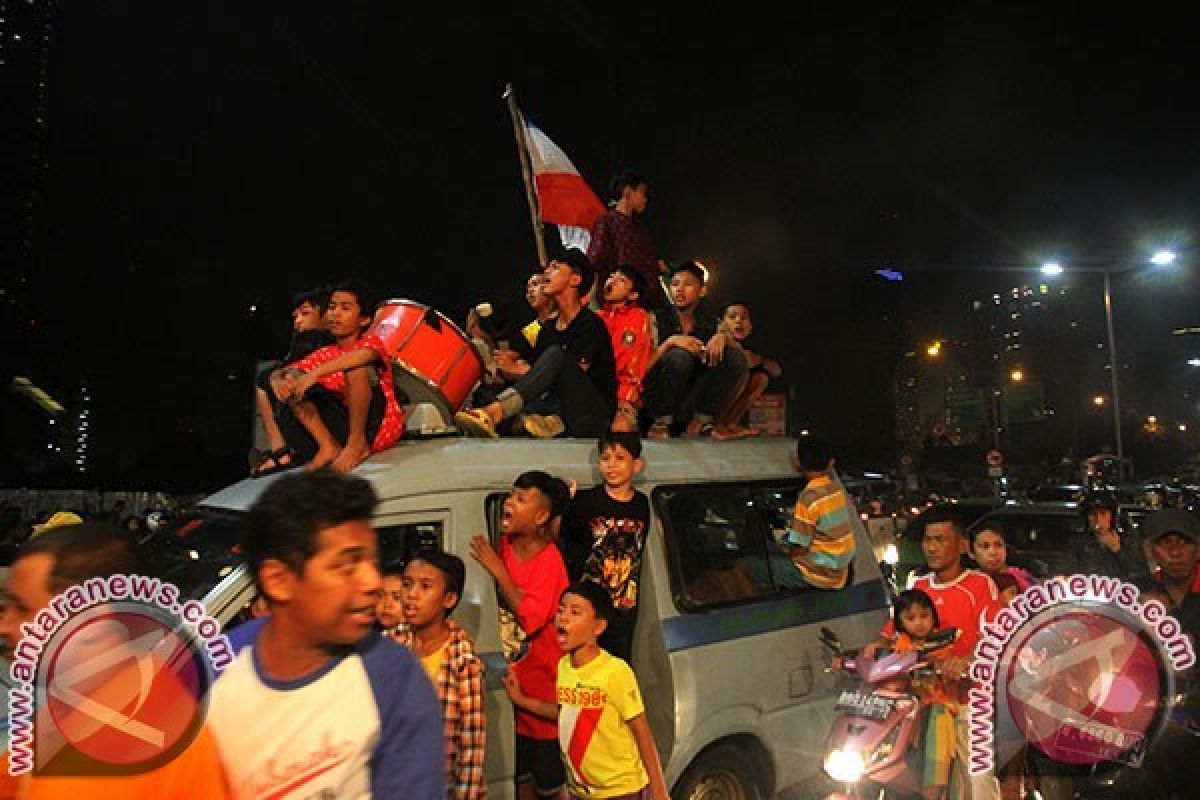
(713, 532)
(398, 543)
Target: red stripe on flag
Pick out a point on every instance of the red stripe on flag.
(566, 199)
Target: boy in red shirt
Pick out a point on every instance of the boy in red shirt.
(628, 325)
(531, 576)
(350, 415)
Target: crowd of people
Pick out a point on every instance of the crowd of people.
(967, 579)
(612, 339)
(354, 679)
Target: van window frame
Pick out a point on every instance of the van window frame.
(675, 571)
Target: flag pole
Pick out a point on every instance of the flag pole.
(518, 122)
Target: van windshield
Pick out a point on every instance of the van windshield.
(195, 552)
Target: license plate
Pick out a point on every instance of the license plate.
(865, 704)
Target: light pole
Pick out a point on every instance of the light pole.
(1162, 258)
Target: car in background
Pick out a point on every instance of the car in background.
(1058, 493)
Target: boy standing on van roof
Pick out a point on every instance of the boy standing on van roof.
(604, 533)
(433, 585)
(319, 704)
(603, 734)
(530, 576)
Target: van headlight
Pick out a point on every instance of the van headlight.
(845, 766)
(891, 555)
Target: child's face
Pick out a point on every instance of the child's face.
(535, 294)
(390, 609)
(990, 551)
(558, 277)
(618, 466)
(306, 317)
(737, 321)
(637, 197)
(426, 600)
(525, 511)
(916, 621)
(333, 597)
(576, 623)
(686, 290)
(619, 289)
(345, 316)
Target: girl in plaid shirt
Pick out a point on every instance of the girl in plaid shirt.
(433, 585)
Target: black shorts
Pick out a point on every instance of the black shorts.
(539, 760)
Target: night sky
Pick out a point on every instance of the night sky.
(209, 157)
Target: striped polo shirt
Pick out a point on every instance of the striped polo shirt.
(821, 527)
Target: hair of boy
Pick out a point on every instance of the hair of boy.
(692, 268)
(553, 489)
(636, 278)
(287, 519)
(578, 261)
(813, 454)
(625, 179)
(318, 298)
(595, 594)
(84, 551)
(913, 597)
(453, 570)
(725, 308)
(627, 439)
(366, 297)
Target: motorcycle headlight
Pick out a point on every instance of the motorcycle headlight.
(845, 766)
(891, 555)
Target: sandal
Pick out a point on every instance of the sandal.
(273, 461)
(476, 422)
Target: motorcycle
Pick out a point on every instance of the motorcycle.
(874, 741)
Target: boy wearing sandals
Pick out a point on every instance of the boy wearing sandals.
(309, 333)
(693, 372)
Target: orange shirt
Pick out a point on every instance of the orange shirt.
(196, 772)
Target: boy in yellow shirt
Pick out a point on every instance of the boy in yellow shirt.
(603, 736)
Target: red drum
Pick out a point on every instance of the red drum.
(436, 362)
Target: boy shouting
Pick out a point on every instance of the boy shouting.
(603, 734)
(530, 577)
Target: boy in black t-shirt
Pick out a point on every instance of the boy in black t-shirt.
(605, 531)
(573, 360)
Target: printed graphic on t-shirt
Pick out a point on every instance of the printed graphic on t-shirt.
(613, 562)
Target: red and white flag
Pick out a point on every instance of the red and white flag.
(564, 198)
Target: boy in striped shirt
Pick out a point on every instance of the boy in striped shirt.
(818, 547)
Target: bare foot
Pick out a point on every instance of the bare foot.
(351, 456)
(324, 457)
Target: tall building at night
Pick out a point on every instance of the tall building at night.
(26, 36)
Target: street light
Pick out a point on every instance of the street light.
(1017, 376)
(1098, 400)
(1161, 258)
(1192, 362)
(934, 350)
